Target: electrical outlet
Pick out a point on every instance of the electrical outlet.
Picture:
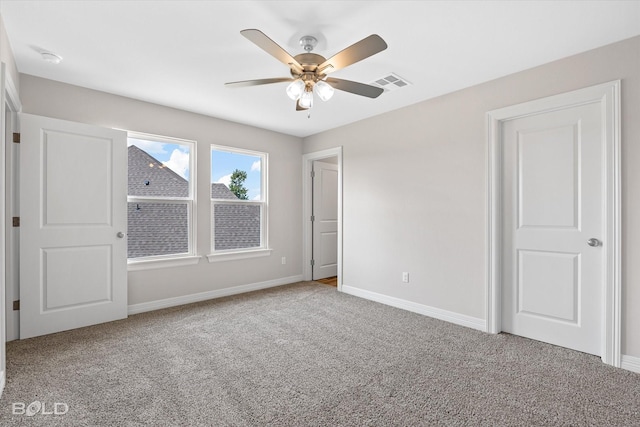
(405, 277)
(284, 260)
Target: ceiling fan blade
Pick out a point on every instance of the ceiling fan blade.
(272, 48)
(354, 53)
(246, 83)
(299, 107)
(355, 87)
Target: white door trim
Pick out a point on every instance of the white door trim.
(307, 164)
(9, 102)
(608, 95)
(12, 286)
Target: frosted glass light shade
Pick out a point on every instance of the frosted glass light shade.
(295, 89)
(306, 99)
(324, 90)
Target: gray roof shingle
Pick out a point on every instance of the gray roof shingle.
(221, 191)
(157, 229)
(149, 177)
(236, 226)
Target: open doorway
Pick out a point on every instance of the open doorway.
(323, 216)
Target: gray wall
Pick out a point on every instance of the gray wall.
(63, 101)
(414, 186)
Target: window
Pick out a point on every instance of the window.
(238, 200)
(160, 197)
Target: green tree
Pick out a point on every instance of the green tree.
(237, 184)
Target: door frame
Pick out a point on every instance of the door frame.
(608, 96)
(307, 194)
(11, 291)
(9, 103)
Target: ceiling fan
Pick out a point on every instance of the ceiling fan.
(309, 70)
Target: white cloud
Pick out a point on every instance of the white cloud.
(226, 180)
(179, 163)
(256, 166)
(151, 147)
(257, 197)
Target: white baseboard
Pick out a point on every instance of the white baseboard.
(630, 363)
(437, 313)
(203, 296)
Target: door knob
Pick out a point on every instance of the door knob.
(120, 234)
(593, 242)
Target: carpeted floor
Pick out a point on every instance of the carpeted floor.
(306, 355)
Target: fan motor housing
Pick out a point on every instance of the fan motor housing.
(309, 61)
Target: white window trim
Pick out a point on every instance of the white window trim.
(264, 249)
(170, 260)
(239, 254)
(148, 263)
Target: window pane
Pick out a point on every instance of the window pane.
(157, 229)
(236, 226)
(158, 169)
(240, 173)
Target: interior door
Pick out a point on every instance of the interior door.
(553, 226)
(325, 224)
(73, 250)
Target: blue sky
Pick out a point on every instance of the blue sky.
(223, 163)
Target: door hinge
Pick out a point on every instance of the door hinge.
(16, 138)
(313, 218)
(313, 262)
(16, 221)
(313, 173)
(16, 305)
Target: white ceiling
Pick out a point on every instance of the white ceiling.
(180, 53)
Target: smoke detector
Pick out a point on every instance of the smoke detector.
(51, 57)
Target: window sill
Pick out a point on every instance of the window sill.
(230, 256)
(149, 264)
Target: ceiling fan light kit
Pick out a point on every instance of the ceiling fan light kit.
(295, 89)
(306, 99)
(324, 90)
(309, 70)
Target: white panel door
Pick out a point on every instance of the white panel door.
(73, 251)
(325, 224)
(553, 187)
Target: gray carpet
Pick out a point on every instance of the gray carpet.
(306, 355)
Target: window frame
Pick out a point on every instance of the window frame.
(177, 259)
(241, 253)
